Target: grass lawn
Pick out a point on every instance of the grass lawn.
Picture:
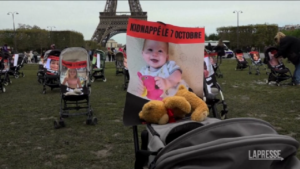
(29, 141)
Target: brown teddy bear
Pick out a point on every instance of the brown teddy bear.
(175, 107)
(199, 107)
(166, 111)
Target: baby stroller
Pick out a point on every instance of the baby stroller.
(98, 66)
(2, 73)
(74, 85)
(278, 72)
(119, 63)
(40, 74)
(256, 62)
(18, 62)
(5, 64)
(216, 61)
(241, 61)
(51, 76)
(126, 73)
(213, 95)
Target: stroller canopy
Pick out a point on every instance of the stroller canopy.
(75, 57)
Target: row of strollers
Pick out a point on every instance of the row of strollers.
(278, 71)
(10, 66)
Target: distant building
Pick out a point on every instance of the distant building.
(111, 44)
(289, 27)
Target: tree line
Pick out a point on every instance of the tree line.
(37, 39)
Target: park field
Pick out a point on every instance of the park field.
(28, 139)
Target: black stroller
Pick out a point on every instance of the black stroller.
(5, 63)
(3, 70)
(40, 74)
(98, 66)
(241, 60)
(213, 95)
(119, 63)
(278, 72)
(74, 85)
(51, 76)
(126, 73)
(17, 62)
(256, 62)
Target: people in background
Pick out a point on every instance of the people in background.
(289, 47)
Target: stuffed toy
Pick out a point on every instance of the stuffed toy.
(175, 107)
(166, 111)
(151, 91)
(199, 108)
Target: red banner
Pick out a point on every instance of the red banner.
(52, 57)
(73, 65)
(274, 52)
(253, 52)
(164, 32)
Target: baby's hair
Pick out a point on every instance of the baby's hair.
(68, 73)
(157, 41)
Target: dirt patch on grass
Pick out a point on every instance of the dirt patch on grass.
(61, 156)
(47, 118)
(103, 153)
(48, 163)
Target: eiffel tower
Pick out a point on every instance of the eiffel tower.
(112, 22)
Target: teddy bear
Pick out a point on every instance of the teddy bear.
(175, 107)
(166, 111)
(199, 108)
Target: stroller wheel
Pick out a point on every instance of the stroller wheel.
(94, 120)
(104, 80)
(3, 89)
(56, 124)
(93, 79)
(5, 83)
(16, 76)
(62, 123)
(88, 121)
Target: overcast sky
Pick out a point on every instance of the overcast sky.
(83, 16)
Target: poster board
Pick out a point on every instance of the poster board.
(158, 53)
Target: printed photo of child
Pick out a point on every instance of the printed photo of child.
(54, 65)
(72, 80)
(160, 73)
(240, 57)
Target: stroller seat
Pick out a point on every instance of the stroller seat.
(70, 95)
(98, 66)
(256, 62)
(241, 61)
(278, 70)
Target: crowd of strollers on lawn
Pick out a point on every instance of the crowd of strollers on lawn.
(288, 47)
(33, 56)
